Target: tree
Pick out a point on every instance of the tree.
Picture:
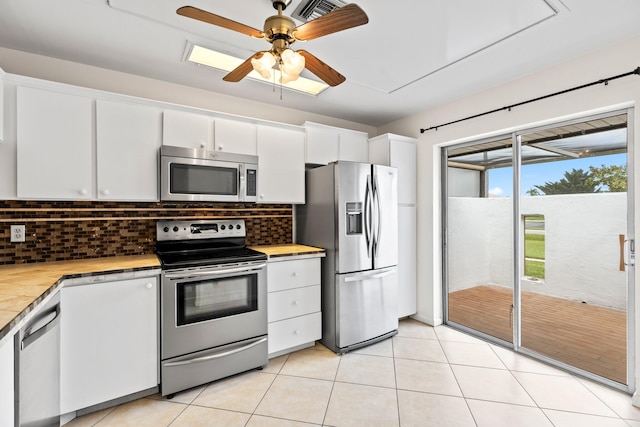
(609, 178)
(574, 181)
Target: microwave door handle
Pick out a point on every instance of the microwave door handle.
(242, 182)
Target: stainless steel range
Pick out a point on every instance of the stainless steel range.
(213, 303)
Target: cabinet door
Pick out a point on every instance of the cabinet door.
(6, 385)
(54, 139)
(281, 165)
(322, 144)
(184, 129)
(354, 146)
(108, 342)
(128, 137)
(403, 156)
(235, 136)
(406, 261)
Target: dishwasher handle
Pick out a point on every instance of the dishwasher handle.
(32, 336)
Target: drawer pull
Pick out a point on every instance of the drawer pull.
(296, 332)
(295, 274)
(295, 302)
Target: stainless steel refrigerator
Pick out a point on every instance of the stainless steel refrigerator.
(351, 211)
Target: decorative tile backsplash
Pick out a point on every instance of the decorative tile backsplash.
(57, 231)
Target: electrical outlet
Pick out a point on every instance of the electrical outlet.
(17, 233)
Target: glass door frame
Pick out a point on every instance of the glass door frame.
(518, 234)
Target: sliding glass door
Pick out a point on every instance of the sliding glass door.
(538, 236)
(479, 244)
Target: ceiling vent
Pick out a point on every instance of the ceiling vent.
(312, 9)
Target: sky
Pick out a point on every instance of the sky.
(501, 179)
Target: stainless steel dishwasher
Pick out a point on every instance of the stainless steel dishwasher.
(37, 368)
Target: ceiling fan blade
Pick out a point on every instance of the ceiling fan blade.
(322, 70)
(340, 19)
(241, 71)
(210, 18)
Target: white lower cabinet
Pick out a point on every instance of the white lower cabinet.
(108, 341)
(6, 383)
(295, 319)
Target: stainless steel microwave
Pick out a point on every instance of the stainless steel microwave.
(196, 175)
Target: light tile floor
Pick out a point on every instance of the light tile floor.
(422, 377)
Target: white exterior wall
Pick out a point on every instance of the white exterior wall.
(581, 246)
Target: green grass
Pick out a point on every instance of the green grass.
(534, 269)
(534, 248)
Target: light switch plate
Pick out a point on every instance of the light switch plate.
(17, 233)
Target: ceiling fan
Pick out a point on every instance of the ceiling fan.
(281, 32)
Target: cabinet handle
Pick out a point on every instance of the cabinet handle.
(295, 274)
(295, 332)
(83, 191)
(105, 192)
(220, 147)
(295, 302)
(203, 145)
(149, 285)
(262, 196)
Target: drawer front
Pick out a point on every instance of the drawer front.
(293, 303)
(293, 274)
(294, 332)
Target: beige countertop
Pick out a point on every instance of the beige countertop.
(287, 250)
(23, 286)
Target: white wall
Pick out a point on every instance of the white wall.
(581, 248)
(46, 68)
(613, 60)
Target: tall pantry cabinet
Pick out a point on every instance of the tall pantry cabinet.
(400, 152)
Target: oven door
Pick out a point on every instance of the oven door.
(207, 307)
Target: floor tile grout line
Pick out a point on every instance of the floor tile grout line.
(333, 385)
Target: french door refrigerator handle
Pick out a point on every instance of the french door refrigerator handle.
(376, 198)
(368, 206)
(375, 275)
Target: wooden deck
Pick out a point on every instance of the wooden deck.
(586, 336)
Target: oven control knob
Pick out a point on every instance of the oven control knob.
(175, 229)
(238, 226)
(222, 227)
(165, 229)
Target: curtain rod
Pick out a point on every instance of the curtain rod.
(509, 107)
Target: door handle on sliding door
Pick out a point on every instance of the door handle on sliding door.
(627, 252)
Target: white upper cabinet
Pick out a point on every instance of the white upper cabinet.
(354, 146)
(185, 129)
(1, 105)
(326, 144)
(235, 136)
(54, 145)
(280, 164)
(128, 137)
(400, 152)
(322, 145)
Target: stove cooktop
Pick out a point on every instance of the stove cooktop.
(184, 244)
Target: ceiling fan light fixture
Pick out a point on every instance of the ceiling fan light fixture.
(264, 64)
(221, 61)
(292, 63)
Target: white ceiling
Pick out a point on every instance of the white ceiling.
(412, 55)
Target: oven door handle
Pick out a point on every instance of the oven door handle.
(183, 274)
(217, 355)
